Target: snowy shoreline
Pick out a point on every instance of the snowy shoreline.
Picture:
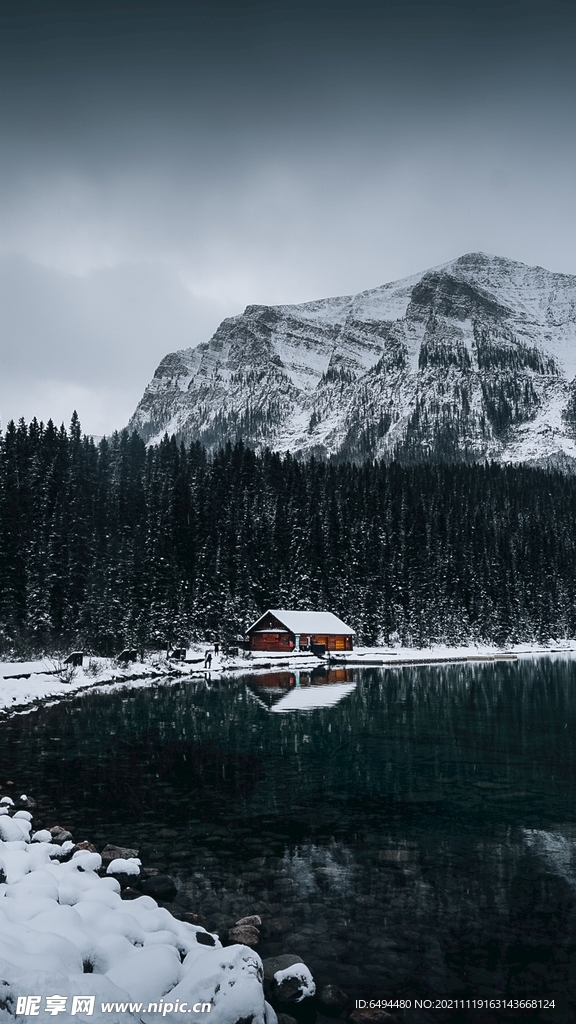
(77, 940)
(26, 685)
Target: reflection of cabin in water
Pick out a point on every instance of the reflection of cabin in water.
(319, 687)
(285, 631)
(282, 681)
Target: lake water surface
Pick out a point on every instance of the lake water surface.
(407, 832)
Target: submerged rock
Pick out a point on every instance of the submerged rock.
(373, 1016)
(27, 802)
(160, 887)
(332, 1000)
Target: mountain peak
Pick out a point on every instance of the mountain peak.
(472, 359)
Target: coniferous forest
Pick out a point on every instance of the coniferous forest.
(109, 545)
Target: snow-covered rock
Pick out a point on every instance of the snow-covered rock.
(294, 984)
(124, 866)
(229, 980)
(10, 830)
(149, 973)
(476, 357)
(65, 932)
(41, 836)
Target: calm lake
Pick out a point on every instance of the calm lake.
(408, 832)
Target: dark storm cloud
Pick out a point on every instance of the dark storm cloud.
(164, 165)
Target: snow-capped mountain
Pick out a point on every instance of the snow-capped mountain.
(476, 358)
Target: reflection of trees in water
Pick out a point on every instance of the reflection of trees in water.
(438, 915)
(315, 869)
(488, 740)
(557, 849)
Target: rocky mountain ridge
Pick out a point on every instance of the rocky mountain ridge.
(475, 359)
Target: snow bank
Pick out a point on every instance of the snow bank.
(443, 653)
(65, 932)
(29, 682)
(25, 684)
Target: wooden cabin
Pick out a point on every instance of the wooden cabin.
(286, 631)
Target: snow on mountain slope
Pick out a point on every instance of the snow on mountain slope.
(473, 359)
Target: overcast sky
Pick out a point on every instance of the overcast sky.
(162, 165)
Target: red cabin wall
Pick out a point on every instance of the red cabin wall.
(283, 643)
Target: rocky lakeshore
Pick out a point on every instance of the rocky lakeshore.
(77, 922)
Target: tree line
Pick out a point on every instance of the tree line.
(114, 544)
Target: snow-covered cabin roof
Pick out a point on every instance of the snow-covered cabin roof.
(319, 623)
